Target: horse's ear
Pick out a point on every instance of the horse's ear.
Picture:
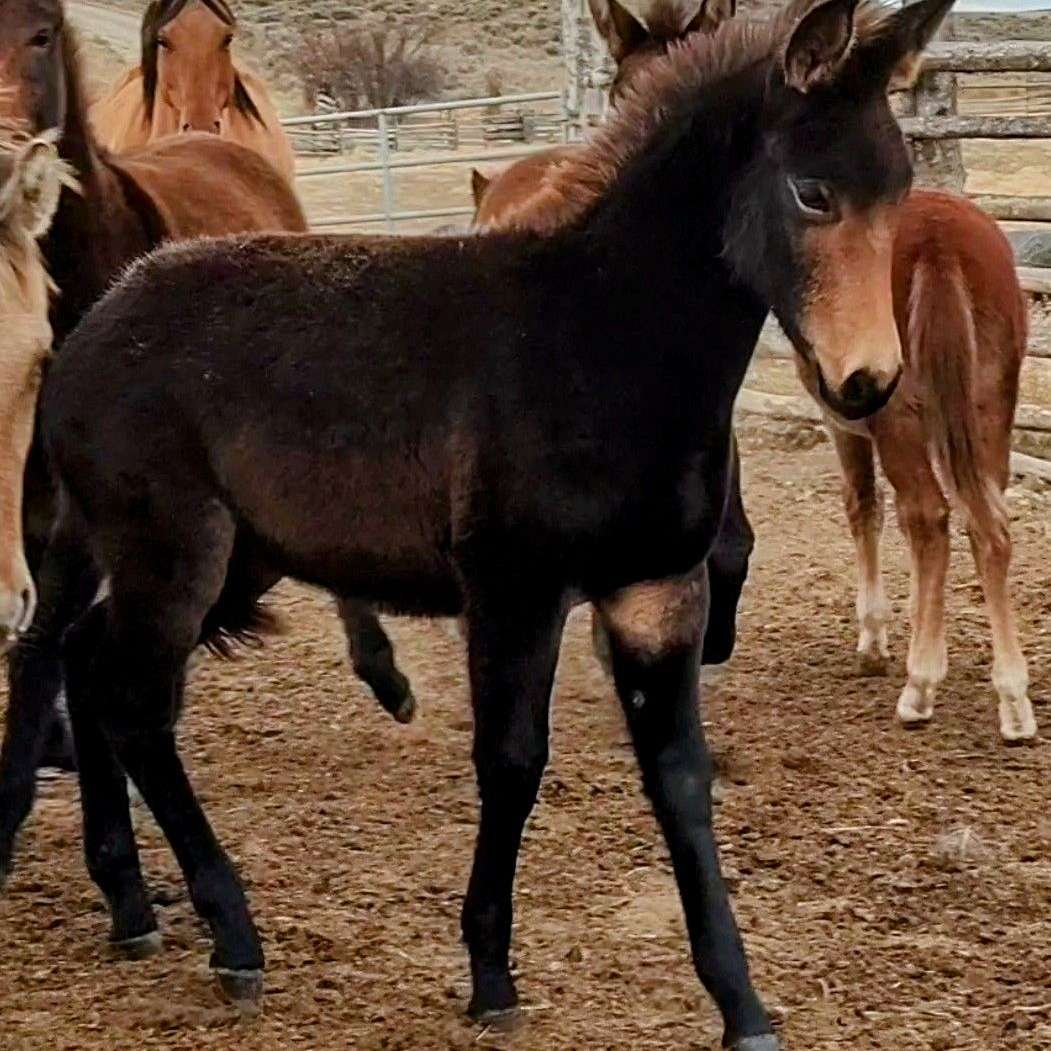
(479, 184)
(819, 44)
(915, 27)
(711, 15)
(621, 30)
(40, 176)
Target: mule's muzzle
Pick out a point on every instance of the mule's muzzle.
(862, 394)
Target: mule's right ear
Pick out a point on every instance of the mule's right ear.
(711, 15)
(819, 44)
(621, 30)
(479, 184)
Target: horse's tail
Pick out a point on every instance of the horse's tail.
(236, 621)
(943, 343)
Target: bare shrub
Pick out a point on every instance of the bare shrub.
(368, 67)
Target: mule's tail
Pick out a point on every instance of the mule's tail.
(943, 343)
(237, 621)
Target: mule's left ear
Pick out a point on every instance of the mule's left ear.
(819, 44)
(711, 15)
(914, 28)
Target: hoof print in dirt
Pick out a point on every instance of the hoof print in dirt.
(242, 989)
(140, 948)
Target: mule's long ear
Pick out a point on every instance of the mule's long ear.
(621, 30)
(914, 28)
(479, 184)
(711, 15)
(40, 176)
(819, 44)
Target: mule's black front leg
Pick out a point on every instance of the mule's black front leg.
(656, 660)
(513, 651)
(372, 657)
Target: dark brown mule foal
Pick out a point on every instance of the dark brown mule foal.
(490, 427)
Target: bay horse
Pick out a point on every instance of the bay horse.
(944, 439)
(31, 178)
(517, 192)
(187, 81)
(125, 204)
(488, 427)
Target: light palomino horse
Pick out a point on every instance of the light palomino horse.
(31, 179)
(188, 81)
(944, 439)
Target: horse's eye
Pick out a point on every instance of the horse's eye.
(42, 39)
(164, 43)
(815, 199)
(227, 41)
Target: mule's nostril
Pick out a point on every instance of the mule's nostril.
(215, 125)
(186, 127)
(860, 388)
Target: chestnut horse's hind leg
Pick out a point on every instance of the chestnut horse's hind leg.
(512, 652)
(656, 654)
(992, 556)
(863, 499)
(126, 664)
(372, 657)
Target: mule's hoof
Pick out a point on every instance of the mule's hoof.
(766, 1042)
(871, 666)
(243, 989)
(140, 948)
(504, 1020)
(406, 711)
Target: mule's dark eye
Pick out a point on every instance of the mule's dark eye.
(164, 43)
(42, 39)
(814, 198)
(227, 41)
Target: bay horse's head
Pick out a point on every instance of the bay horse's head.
(32, 63)
(812, 223)
(31, 180)
(633, 42)
(189, 79)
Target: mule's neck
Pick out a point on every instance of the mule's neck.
(657, 241)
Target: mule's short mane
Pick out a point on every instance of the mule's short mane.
(157, 16)
(669, 86)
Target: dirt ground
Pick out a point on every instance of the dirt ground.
(892, 887)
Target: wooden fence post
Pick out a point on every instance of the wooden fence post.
(938, 162)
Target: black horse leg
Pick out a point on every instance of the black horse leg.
(372, 657)
(656, 671)
(513, 651)
(67, 582)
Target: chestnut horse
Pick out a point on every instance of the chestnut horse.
(487, 426)
(187, 81)
(177, 188)
(944, 439)
(31, 179)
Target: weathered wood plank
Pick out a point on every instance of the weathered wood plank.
(1004, 56)
(957, 127)
(1017, 209)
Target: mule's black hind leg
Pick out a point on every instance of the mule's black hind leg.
(655, 668)
(109, 842)
(513, 650)
(372, 657)
(67, 582)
